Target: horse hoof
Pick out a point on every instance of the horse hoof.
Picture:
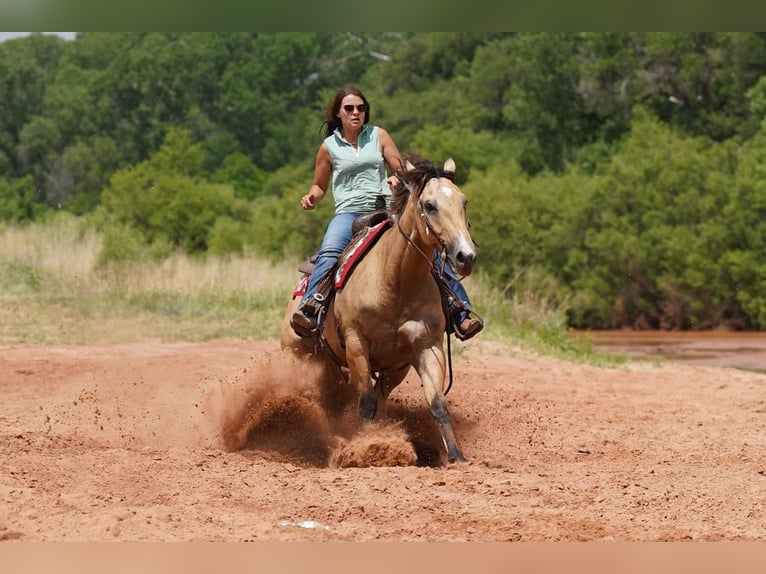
(368, 406)
(455, 458)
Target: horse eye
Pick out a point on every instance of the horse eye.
(430, 207)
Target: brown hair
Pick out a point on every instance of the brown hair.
(332, 122)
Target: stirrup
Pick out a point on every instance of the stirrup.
(473, 327)
(314, 304)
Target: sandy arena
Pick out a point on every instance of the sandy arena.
(226, 441)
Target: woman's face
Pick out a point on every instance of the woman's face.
(352, 112)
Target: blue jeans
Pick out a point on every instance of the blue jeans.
(456, 286)
(339, 235)
(336, 238)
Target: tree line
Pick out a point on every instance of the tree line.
(618, 172)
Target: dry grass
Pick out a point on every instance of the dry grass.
(63, 249)
(185, 274)
(51, 292)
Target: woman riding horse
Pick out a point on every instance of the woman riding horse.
(354, 155)
(388, 316)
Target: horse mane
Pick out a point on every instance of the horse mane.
(415, 179)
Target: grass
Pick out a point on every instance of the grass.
(530, 319)
(51, 292)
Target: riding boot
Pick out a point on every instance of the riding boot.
(468, 327)
(304, 320)
(463, 325)
(458, 313)
(304, 325)
(307, 320)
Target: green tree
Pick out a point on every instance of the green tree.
(26, 68)
(653, 232)
(281, 229)
(165, 199)
(244, 176)
(81, 173)
(38, 141)
(427, 82)
(421, 59)
(470, 150)
(698, 81)
(157, 81)
(267, 90)
(17, 200)
(744, 261)
(542, 104)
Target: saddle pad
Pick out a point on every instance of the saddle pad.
(300, 288)
(356, 251)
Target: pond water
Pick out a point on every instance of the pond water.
(723, 349)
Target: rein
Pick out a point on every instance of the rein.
(407, 237)
(437, 273)
(429, 229)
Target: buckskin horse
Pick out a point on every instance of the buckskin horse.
(388, 316)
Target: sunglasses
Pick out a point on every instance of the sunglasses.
(350, 108)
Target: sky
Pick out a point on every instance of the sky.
(8, 35)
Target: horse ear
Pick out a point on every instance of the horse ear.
(449, 165)
(409, 166)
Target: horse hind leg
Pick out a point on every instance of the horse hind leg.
(368, 405)
(385, 382)
(360, 377)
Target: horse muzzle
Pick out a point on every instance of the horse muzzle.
(462, 261)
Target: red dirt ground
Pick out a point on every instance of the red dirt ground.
(225, 441)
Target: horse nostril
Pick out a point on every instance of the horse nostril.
(464, 258)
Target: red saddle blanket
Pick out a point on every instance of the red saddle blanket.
(354, 252)
(351, 256)
(300, 288)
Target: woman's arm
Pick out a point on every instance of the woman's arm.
(322, 175)
(391, 155)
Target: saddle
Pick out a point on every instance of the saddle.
(360, 224)
(326, 286)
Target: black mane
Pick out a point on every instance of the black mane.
(415, 179)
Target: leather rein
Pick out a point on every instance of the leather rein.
(437, 273)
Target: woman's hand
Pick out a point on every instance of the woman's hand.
(392, 182)
(308, 201)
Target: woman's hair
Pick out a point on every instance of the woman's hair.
(331, 112)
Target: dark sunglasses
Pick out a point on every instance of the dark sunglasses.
(350, 107)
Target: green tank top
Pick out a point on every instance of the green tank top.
(358, 174)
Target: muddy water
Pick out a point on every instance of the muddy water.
(739, 350)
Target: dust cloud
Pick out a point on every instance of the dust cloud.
(274, 405)
(293, 409)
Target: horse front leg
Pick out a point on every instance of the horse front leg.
(357, 358)
(431, 368)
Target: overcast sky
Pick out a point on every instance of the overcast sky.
(6, 35)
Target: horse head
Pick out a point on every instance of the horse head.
(441, 207)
